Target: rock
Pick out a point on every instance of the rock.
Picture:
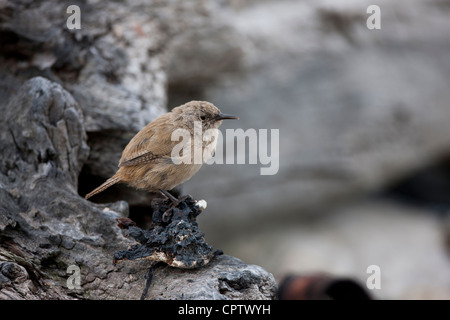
(46, 227)
(43, 147)
(13, 272)
(44, 132)
(14, 281)
(173, 236)
(201, 56)
(224, 277)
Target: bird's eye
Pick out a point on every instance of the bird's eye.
(203, 118)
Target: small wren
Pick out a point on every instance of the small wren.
(147, 162)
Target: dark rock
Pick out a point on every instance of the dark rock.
(178, 242)
(13, 272)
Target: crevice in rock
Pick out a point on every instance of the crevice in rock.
(427, 187)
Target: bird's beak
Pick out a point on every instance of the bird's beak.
(222, 116)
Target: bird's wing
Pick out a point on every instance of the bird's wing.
(151, 143)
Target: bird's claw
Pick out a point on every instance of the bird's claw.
(167, 215)
(169, 212)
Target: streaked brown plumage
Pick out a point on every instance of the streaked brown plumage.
(146, 161)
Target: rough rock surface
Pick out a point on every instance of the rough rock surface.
(224, 278)
(173, 237)
(45, 226)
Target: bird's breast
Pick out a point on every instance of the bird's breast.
(209, 143)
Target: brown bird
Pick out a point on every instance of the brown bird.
(147, 162)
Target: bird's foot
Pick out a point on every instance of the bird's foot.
(175, 202)
(168, 195)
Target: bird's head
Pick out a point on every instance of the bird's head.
(205, 112)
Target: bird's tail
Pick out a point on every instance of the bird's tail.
(108, 183)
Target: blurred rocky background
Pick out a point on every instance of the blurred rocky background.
(364, 152)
